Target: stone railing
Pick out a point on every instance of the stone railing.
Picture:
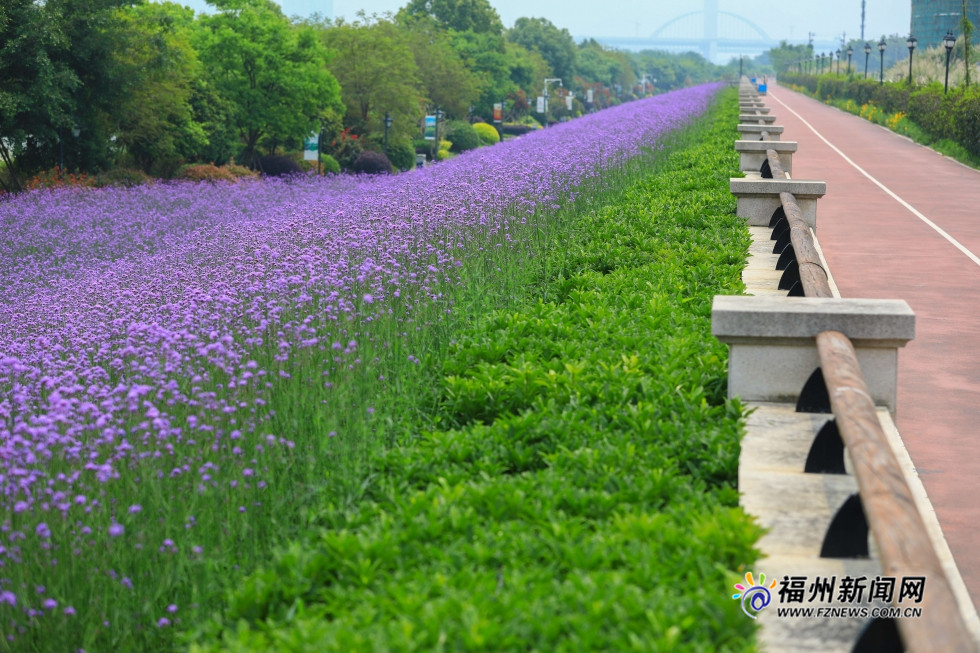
(822, 465)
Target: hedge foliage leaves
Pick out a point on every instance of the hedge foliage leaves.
(575, 487)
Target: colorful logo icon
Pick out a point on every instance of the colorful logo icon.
(754, 597)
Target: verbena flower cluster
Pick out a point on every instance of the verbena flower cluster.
(144, 333)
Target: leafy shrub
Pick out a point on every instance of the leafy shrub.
(422, 146)
(329, 164)
(401, 155)
(861, 90)
(831, 87)
(929, 111)
(240, 172)
(463, 136)
(487, 133)
(516, 130)
(891, 98)
(346, 147)
(127, 177)
(56, 178)
(966, 110)
(204, 172)
(278, 166)
(372, 163)
(443, 154)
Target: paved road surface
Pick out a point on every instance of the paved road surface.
(874, 227)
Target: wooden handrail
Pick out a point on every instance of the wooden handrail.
(903, 542)
(815, 280)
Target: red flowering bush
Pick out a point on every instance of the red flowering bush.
(57, 178)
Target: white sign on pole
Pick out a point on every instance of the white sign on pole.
(590, 95)
(311, 146)
(540, 104)
(568, 102)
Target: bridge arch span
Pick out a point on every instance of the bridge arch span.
(741, 19)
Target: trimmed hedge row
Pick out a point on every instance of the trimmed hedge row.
(954, 115)
(575, 488)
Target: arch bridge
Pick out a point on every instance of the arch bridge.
(711, 32)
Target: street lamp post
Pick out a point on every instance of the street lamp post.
(948, 42)
(911, 42)
(881, 51)
(388, 122)
(867, 53)
(850, 51)
(838, 60)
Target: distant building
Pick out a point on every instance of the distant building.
(931, 19)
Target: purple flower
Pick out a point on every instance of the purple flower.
(135, 508)
(43, 531)
(172, 608)
(69, 611)
(163, 621)
(8, 597)
(116, 529)
(49, 604)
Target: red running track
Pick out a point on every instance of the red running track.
(879, 244)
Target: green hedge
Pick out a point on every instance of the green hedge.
(954, 116)
(575, 489)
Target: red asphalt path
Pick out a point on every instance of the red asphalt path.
(878, 244)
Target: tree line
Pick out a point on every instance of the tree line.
(89, 85)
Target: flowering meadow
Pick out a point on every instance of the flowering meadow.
(183, 367)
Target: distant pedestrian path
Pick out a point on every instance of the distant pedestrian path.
(900, 221)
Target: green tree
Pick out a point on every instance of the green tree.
(445, 79)
(374, 63)
(36, 89)
(555, 45)
(485, 56)
(457, 15)
(155, 68)
(782, 57)
(527, 68)
(273, 74)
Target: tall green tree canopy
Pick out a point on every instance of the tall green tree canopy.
(273, 74)
(457, 15)
(155, 68)
(37, 82)
(555, 45)
(375, 66)
(446, 81)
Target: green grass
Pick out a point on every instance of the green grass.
(568, 481)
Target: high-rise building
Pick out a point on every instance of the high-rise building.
(931, 19)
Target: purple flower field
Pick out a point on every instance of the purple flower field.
(166, 351)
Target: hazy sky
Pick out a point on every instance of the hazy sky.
(786, 19)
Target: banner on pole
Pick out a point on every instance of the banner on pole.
(430, 128)
(540, 104)
(590, 94)
(311, 146)
(498, 112)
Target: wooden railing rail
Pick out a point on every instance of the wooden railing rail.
(903, 542)
(904, 546)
